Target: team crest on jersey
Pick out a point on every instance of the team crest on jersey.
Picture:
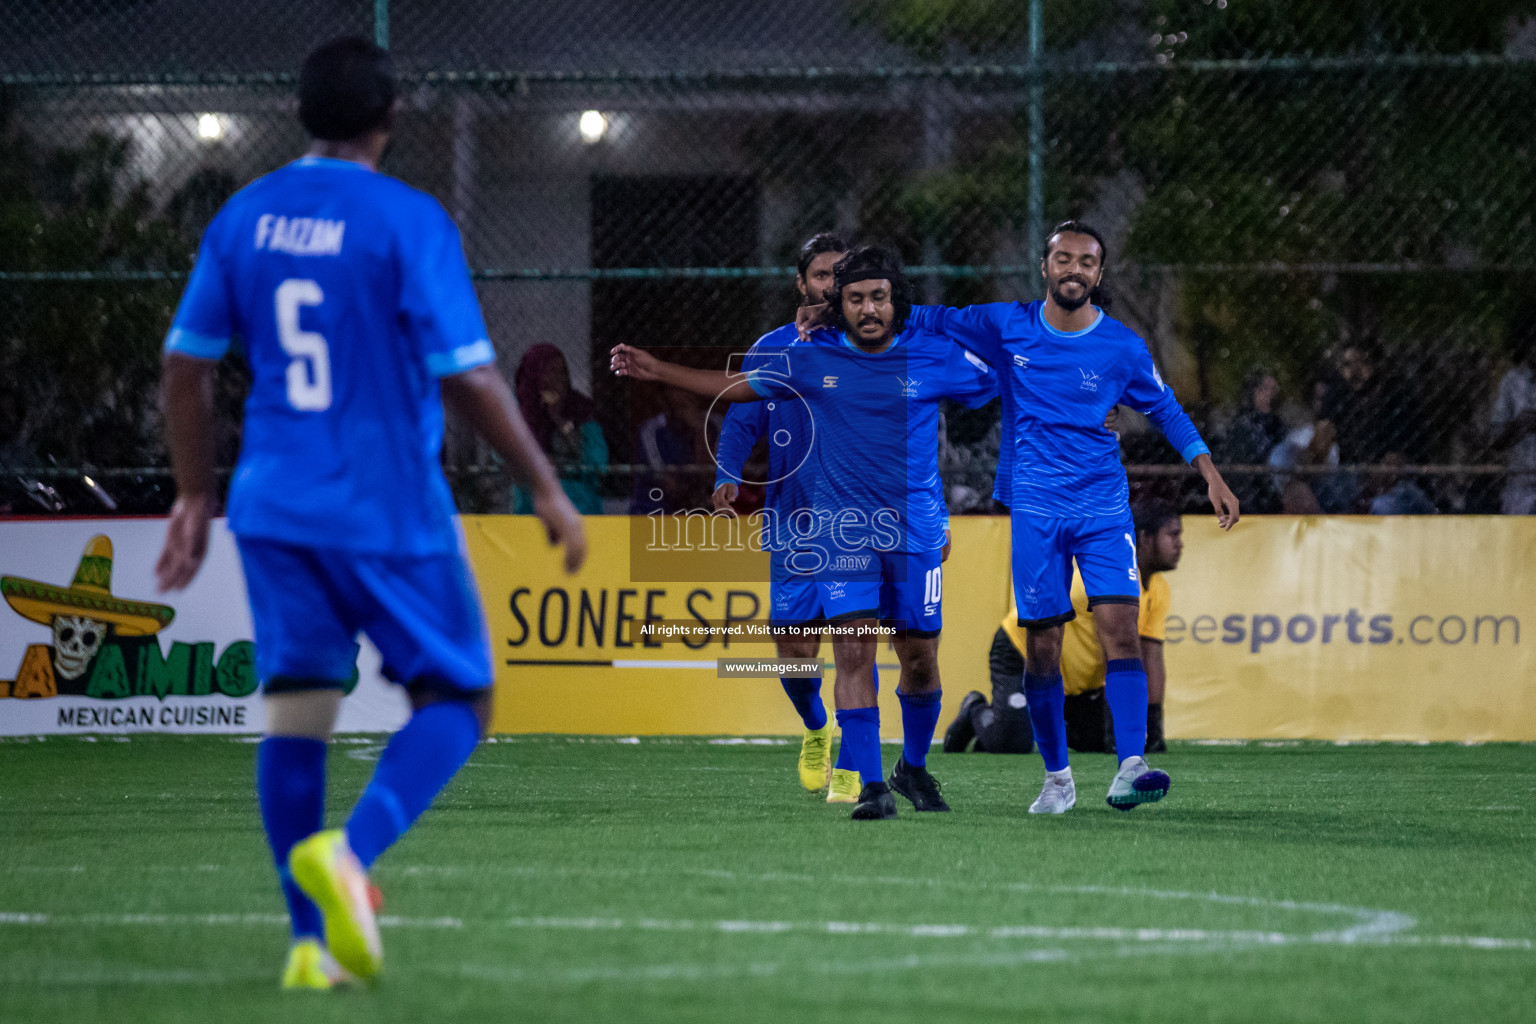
(1030, 595)
(908, 387)
(1090, 380)
(836, 591)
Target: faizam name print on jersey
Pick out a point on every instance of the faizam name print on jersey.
(314, 331)
(300, 236)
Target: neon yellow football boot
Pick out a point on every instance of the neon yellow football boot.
(310, 967)
(816, 757)
(844, 787)
(329, 873)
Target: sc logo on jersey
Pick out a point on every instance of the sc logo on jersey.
(1022, 362)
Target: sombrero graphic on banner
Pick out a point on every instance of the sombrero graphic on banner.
(82, 613)
(106, 647)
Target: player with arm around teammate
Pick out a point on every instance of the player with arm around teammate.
(795, 607)
(351, 295)
(1062, 364)
(872, 385)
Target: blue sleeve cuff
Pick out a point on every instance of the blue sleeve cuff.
(1195, 448)
(199, 346)
(465, 357)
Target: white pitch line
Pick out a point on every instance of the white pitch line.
(716, 972)
(1228, 938)
(1368, 922)
(78, 977)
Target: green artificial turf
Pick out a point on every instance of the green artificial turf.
(678, 880)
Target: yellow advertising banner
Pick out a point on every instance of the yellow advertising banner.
(1355, 628)
(569, 657)
(1307, 627)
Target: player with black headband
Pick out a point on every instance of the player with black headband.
(873, 535)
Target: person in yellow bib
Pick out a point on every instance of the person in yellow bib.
(1001, 726)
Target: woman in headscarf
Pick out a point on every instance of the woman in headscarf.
(563, 423)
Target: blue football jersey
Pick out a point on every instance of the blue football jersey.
(873, 471)
(1057, 387)
(349, 292)
(786, 423)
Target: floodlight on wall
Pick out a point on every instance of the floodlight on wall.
(210, 127)
(593, 126)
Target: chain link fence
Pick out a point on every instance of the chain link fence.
(1320, 215)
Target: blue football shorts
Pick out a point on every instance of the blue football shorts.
(1044, 548)
(792, 600)
(902, 589)
(308, 605)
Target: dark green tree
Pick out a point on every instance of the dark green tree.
(79, 360)
(1353, 169)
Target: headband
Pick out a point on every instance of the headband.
(871, 274)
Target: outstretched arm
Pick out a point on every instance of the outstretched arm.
(628, 361)
(979, 328)
(482, 399)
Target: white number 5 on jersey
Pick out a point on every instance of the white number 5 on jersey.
(309, 364)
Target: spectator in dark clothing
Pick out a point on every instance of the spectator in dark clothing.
(1254, 433)
(1514, 417)
(564, 422)
(1374, 417)
(1374, 414)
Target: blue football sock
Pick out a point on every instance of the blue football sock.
(919, 718)
(844, 762)
(844, 753)
(1125, 687)
(290, 787)
(805, 695)
(1047, 704)
(415, 766)
(861, 741)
